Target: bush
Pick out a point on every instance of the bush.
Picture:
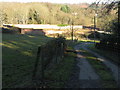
(109, 43)
(97, 35)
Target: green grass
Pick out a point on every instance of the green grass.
(113, 56)
(62, 71)
(106, 76)
(18, 57)
(72, 44)
(88, 40)
(62, 25)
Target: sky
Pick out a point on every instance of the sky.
(53, 1)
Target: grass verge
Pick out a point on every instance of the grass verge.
(107, 79)
(62, 71)
(113, 56)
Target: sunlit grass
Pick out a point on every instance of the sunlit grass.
(18, 57)
(27, 53)
(88, 40)
(93, 58)
(9, 45)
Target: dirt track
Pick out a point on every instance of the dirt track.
(84, 75)
(114, 68)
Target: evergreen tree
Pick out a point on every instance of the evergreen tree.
(34, 17)
(65, 9)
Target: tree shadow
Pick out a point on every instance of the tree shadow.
(18, 58)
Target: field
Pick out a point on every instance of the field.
(18, 55)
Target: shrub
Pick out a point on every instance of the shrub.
(109, 43)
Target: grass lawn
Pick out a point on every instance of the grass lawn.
(18, 57)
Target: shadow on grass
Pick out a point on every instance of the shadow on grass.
(18, 58)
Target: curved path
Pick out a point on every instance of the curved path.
(114, 68)
(85, 76)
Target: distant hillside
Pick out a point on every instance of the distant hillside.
(45, 13)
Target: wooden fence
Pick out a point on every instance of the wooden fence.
(47, 56)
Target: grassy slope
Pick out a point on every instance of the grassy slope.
(19, 55)
(113, 56)
(62, 71)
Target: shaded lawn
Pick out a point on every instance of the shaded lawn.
(18, 57)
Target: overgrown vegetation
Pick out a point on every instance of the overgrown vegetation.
(109, 21)
(108, 15)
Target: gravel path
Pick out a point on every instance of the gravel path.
(114, 68)
(84, 75)
(87, 76)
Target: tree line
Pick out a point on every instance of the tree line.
(49, 13)
(43, 13)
